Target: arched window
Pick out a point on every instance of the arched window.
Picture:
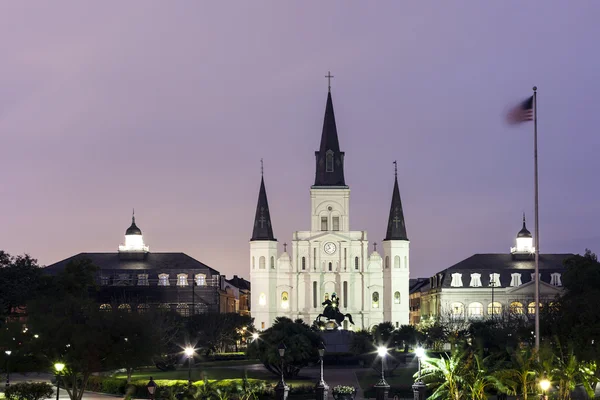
(253, 263)
(330, 267)
(125, 307)
(143, 308)
(397, 262)
(272, 262)
(164, 307)
(303, 263)
(285, 303)
(105, 307)
(182, 280)
(494, 308)
(475, 310)
(183, 309)
(356, 263)
(516, 307)
(201, 308)
(397, 298)
(375, 299)
(200, 279)
(345, 294)
(457, 310)
(329, 161)
(163, 280)
(314, 294)
(262, 263)
(387, 261)
(262, 299)
(531, 308)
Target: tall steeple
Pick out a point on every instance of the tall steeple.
(396, 229)
(263, 230)
(329, 158)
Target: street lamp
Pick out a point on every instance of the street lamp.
(189, 352)
(58, 367)
(7, 370)
(419, 387)
(151, 386)
(544, 385)
(255, 336)
(281, 390)
(321, 388)
(382, 388)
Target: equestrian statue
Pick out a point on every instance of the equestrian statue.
(332, 311)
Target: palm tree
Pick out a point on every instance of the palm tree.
(520, 377)
(569, 372)
(446, 375)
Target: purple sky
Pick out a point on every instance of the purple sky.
(169, 106)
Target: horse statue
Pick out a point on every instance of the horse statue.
(332, 311)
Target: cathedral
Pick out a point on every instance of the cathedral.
(330, 258)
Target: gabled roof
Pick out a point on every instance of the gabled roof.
(262, 230)
(503, 264)
(146, 261)
(329, 145)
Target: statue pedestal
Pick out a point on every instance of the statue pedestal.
(337, 341)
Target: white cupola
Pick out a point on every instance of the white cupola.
(134, 242)
(524, 241)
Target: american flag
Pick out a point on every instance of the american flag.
(521, 113)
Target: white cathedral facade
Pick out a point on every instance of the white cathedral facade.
(330, 258)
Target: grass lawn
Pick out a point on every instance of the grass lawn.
(217, 373)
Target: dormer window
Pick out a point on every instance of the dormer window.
(533, 276)
(142, 280)
(329, 161)
(200, 280)
(182, 280)
(515, 279)
(163, 280)
(555, 279)
(475, 280)
(456, 280)
(495, 280)
(104, 280)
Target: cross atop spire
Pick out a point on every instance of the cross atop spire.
(329, 76)
(262, 169)
(395, 169)
(133, 216)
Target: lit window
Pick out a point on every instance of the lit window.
(456, 280)
(387, 261)
(285, 300)
(262, 263)
(262, 325)
(303, 263)
(356, 263)
(515, 280)
(335, 222)
(143, 308)
(125, 307)
(104, 280)
(326, 296)
(397, 298)
(555, 279)
(495, 280)
(142, 280)
(182, 280)
(164, 307)
(397, 262)
(475, 280)
(323, 223)
(200, 280)
(163, 280)
(183, 309)
(516, 307)
(262, 299)
(494, 308)
(531, 308)
(475, 310)
(375, 300)
(329, 161)
(457, 310)
(105, 307)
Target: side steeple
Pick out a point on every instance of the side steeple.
(329, 158)
(396, 229)
(263, 230)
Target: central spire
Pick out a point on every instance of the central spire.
(329, 158)
(396, 229)
(263, 230)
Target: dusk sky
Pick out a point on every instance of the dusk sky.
(168, 107)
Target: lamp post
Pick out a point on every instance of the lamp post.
(419, 387)
(151, 386)
(382, 388)
(281, 390)
(189, 352)
(254, 337)
(58, 367)
(544, 385)
(7, 370)
(321, 388)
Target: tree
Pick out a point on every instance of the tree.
(520, 374)
(446, 375)
(301, 347)
(215, 332)
(362, 342)
(20, 277)
(406, 336)
(382, 333)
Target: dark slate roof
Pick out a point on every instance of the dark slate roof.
(239, 283)
(416, 285)
(263, 230)
(133, 229)
(329, 143)
(137, 261)
(503, 264)
(524, 232)
(396, 229)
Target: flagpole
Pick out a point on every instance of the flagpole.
(537, 226)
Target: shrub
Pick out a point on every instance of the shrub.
(29, 391)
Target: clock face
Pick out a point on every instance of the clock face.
(329, 248)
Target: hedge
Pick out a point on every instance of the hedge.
(29, 391)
